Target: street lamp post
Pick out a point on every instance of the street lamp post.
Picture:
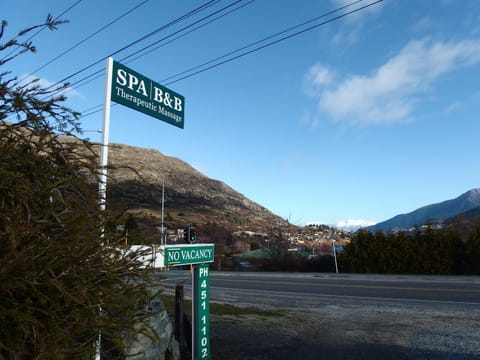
(335, 256)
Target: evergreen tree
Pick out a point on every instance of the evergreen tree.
(472, 250)
(59, 285)
(427, 251)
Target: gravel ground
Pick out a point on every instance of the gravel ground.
(352, 331)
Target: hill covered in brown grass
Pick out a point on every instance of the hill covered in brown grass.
(135, 181)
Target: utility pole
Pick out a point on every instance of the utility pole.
(335, 255)
(162, 229)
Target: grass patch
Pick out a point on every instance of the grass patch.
(218, 309)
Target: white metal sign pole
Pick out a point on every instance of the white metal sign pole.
(102, 184)
(102, 180)
(194, 310)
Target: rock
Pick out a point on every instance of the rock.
(173, 351)
(162, 347)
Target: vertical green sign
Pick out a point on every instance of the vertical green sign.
(138, 92)
(201, 313)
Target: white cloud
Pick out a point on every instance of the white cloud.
(374, 9)
(201, 169)
(349, 224)
(321, 75)
(389, 94)
(353, 224)
(317, 77)
(425, 24)
(455, 106)
(354, 23)
(312, 120)
(346, 37)
(475, 96)
(45, 83)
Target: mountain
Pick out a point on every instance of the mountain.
(138, 179)
(470, 215)
(431, 214)
(137, 175)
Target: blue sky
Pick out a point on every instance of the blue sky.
(358, 120)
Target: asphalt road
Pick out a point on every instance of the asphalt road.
(260, 288)
(349, 316)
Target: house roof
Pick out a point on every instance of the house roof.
(255, 254)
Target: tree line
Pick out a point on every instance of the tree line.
(426, 251)
(445, 251)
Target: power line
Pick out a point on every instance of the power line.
(95, 75)
(186, 27)
(271, 43)
(92, 110)
(43, 27)
(168, 25)
(261, 41)
(89, 78)
(99, 73)
(86, 38)
(57, 88)
(161, 28)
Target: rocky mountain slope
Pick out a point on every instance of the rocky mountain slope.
(430, 214)
(137, 175)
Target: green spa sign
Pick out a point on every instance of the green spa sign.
(138, 92)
